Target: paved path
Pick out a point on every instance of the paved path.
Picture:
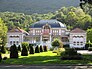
(84, 52)
(43, 67)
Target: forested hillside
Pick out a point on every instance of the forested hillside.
(35, 6)
(71, 16)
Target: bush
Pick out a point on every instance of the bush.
(24, 51)
(45, 48)
(51, 49)
(3, 50)
(25, 44)
(13, 51)
(57, 43)
(66, 46)
(89, 48)
(70, 54)
(0, 57)
(41, 49)
(58, 51)
(4, 58)
(37, 49)
(86, 46)
(31, 49)
(19, 48)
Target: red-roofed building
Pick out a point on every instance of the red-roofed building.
(15, 36)
(77, 38)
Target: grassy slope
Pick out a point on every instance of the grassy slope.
(46, 58)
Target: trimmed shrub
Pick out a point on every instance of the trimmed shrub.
(31, 49)
(70, 54)
(24, 51)
(0, 57)
(41, 49)
(13, 51)
(3, 50)
(26, 44)
(89, 48)
(19, 48)
(45, 48)
(37, 49)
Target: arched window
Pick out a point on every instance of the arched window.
(10, 42)
(17, 42)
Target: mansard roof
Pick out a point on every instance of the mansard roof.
(78, 30)
(53, 24)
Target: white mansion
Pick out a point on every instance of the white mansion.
(44, 32)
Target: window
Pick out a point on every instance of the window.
(74, 36)
(78, 36)
(17, 42)
(10, 42)
(10, 36)
(13, 42)
(74, 42)
(81, 36)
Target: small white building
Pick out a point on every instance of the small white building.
(77, 38)
(15, 36)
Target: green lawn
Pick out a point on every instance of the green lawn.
(46, 58)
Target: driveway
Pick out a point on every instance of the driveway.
(84, 52)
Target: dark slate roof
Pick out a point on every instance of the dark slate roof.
(52, 23)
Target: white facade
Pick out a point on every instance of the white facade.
(44, 32)
(15, 36)
(77, 39)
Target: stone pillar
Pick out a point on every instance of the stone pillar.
(50, 41)
(41, 40)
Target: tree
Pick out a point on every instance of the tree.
(45, 48)
(3, 50)
(13, 51)
(89, 35)
(31, 49)
(3, 31)
(24, 51)
(86, 5)
(57, 43)
(71, 18)
(41, 48)
(25, 44)
(0, 57)
(19, 48)
(37, 49)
